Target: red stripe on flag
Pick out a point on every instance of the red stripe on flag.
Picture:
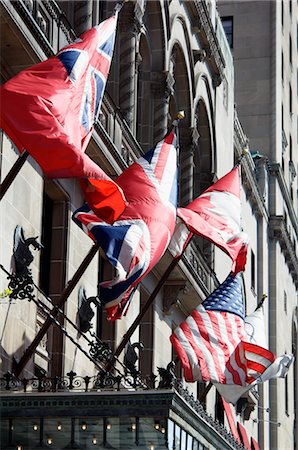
(183, 357)
(231, 420)
(253, 348)
(223, 345)
(199, 354)
(206, 341)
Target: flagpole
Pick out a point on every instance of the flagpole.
(138, 319)
(156, 290)
(13, 173)
(18, 367)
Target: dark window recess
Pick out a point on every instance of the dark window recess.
(52, 277)
(219, 409)
(227, 23)
(201, 392)
(105, 328)
(146, 337)
(46, 239)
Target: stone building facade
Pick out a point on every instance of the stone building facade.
(263, 35)
(169, 56)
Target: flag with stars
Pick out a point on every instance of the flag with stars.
(51, 107)
(213, 345)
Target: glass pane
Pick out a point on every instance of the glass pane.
(56, 432)
(195, 445)
(178, 437)
(88, 432)
(183, 439)
(170, 434)
(152, 433)
(189, 442)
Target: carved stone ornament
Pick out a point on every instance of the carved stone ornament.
(131, 357)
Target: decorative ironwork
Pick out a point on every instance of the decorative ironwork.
(131, 357)
(22, 287)
(168, 377)
(21, 251)
(106, 381)
(99, 350)
(85, 312)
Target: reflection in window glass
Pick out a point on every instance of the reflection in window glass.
(178, 438)
(189, 443)
(227, 23)
(151, 436)
(170, 434)
(195, 445)
(183, 439)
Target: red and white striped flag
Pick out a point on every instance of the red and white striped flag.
(213, 345)
(215, 215)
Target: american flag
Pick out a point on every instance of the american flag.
(213, 345)
(138, 239)
(50, 109)
(215, 215)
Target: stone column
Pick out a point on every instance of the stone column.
(130, 25)
(162, 88)
(82, 16)
(188, 144)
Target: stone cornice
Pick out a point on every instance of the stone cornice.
(201, 21)
(276, 170)
(248, 170)
(278, 230)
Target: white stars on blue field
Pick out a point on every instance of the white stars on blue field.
(227, 297)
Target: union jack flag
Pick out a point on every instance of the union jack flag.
(138, 239)
(213, 345)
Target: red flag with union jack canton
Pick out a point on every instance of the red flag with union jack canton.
(213, 345)
(49, 109)
(138, 239)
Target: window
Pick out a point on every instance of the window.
(146, 336)
(201, 389)
(105, 328)
(53, 261)
(285, 302)
(219, 409)
(227, 23)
